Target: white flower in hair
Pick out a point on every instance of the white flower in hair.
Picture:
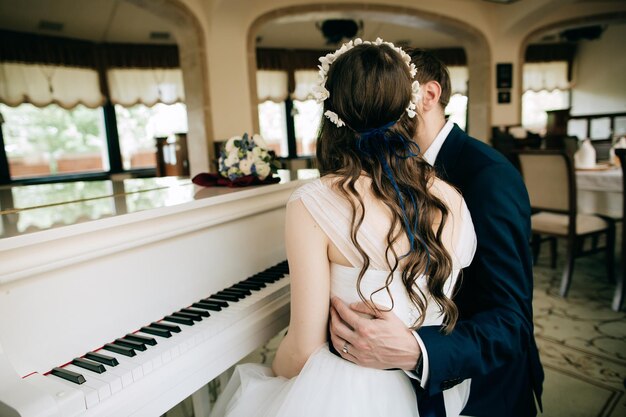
(321, 93)
(416, 95)
(333, 117)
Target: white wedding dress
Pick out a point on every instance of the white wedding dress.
(329, 385)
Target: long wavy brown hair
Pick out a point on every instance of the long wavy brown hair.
(370, 86)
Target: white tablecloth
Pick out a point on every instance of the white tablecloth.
(600, 192)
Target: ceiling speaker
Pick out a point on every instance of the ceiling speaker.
(335, 30)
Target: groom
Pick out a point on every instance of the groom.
(493, 342)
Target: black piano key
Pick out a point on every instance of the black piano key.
(122, 350)
(99, 357)
(216, 302)
(232, 291)
(169, 327)
(89, 365)
(267, 275)
(282, 266)
(156, 331)
(203, 313)
(251, 285)
(142, 339)
(239, 295)
(194, 317)
(258, 281)
(244, 291)
(207, 306)
(180, 320)
(224, 297)
(68, 375)
(267, 279)
(131, 344)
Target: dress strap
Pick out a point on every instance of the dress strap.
(331, 214)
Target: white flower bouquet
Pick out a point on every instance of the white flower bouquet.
(244, 155)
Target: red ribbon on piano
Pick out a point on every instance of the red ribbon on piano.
(216, 180)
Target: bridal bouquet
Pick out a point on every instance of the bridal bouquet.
(243, 161)
(245, 155)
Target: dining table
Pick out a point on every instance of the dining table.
(599, 191)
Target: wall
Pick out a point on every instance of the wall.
(499, 33)
(600, 74)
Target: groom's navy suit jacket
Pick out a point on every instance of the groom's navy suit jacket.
(493, 342)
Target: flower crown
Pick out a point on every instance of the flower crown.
(321, 93)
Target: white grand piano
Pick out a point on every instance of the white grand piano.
(107, 316)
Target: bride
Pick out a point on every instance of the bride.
(377, 227)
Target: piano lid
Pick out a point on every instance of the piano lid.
(69, 290)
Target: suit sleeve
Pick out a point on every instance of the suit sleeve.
(495, 300)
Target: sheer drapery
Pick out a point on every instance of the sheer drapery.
(42, 85)
(546, 76)
(272, 86)
(145, 86)
(42, 70)
(306, 80)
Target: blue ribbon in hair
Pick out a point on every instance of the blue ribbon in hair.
(380, 142)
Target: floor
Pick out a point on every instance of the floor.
(581, 340)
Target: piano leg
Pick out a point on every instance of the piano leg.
(201, 402)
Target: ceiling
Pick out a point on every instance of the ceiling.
(121, 21)
(94, 20)
(305, 35)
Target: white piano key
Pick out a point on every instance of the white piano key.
(91, 395)
(70, 401)
(124, 373)
(104, 390)
(135, 366)
(114, 381)
(163, 350)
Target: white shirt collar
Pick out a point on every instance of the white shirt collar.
(433, 150)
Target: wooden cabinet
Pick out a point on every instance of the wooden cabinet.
(172, 156)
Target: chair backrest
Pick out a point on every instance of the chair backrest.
(621, 154)
(550, 179)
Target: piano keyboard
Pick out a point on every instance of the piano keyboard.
(104, 373)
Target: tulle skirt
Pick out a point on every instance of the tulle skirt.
(327, 386)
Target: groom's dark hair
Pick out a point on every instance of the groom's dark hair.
(430, 68)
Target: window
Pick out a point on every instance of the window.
(272, 93)
(139, 125)
(273, 125)
(536, 103)
(51, 141)
(456, 110)
(307, 115)
(546, 87)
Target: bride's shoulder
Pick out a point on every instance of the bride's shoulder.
(448, 194)
(310, 188)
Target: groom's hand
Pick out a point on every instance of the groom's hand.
(382, 341)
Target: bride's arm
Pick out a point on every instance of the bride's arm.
(307, 248)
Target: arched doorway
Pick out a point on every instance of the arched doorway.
(193, 62)
(469, 37)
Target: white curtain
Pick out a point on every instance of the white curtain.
(306, 80)
(458, 80)
(42, 85)
(271, 85)
(146, 86)
(546, 76)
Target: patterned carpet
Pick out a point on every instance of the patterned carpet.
(581, 340)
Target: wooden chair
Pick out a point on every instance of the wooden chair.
(618, 298)
(551, 182)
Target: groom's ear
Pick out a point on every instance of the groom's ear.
(431, 92)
